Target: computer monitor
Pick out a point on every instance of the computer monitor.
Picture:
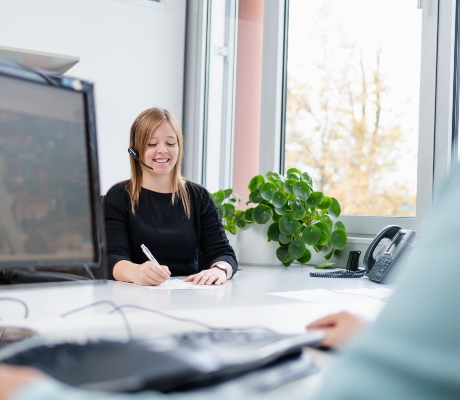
(50, 204)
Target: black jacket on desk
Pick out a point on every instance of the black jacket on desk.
(164, 228)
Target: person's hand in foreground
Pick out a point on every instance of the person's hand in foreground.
(209, 276)
(338, 328)
(12, 378)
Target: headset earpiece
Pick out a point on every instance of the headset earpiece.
(133, 153)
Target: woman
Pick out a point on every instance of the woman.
(173, 217)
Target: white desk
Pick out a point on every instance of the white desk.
(241, 302)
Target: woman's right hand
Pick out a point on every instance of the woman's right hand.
(151, 274)
(146, 274)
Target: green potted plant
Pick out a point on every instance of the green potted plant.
(225, 201)
(300, 217)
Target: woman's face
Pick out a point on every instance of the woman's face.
(162, 150)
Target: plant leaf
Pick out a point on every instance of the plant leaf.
(267, 190)
(281, 211)
(248, 215)
(300, 215)
(329, 255)
(262, 214)
(325, 203)
(273, 232)
(282, 253)
(288, 224)
(296, 249)
(297, 205)
(311, 235)
(327, 219)
(219, 197)
(256, 182)
(306, 178)
(323, 227)
(339, 225)
(324, 265)
(339, 239)
(255, 197)
(239, 219)
(301, 190)
(334, 209)
(228, 192)
(279, 199)
(297, 171)
(231, 226)
(306, 257)
(288, 186)
(272, 176)
(324, 238)
(315, 199)
(284, 239)
(222, 210)
(229, 210)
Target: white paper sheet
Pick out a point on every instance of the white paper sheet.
(336, 296)
(178, 284)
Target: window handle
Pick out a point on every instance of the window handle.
(419, 4)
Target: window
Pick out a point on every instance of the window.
(361, 104)
(357, 92)
(352, 101)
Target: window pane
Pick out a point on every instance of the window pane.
(352, 101)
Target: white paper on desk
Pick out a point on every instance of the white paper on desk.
(178, 284)
(379, 293)
(318, 296)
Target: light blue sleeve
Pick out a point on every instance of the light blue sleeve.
(49, 389)
(412, 351)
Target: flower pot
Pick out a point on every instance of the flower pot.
(254, 247)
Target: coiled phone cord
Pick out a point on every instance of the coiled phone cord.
(339, 274)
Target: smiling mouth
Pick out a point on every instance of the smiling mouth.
(161, 160)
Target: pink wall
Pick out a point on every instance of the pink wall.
(247, 96)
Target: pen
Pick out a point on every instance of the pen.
(150, 256)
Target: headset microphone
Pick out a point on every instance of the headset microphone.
(133, 153)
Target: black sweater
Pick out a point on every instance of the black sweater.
(164, 228)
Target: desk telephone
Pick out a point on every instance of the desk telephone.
(376, 267)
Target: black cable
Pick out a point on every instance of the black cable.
(339, 274)
(128, 328)
(17, 301)
(89, 272)
(115, 308)
(212, 328)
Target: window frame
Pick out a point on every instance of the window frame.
(435, 116)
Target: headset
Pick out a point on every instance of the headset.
(132, 151)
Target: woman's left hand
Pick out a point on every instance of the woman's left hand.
(208, 277)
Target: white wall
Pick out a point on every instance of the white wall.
(133, 53)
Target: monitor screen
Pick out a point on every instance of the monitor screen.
(48, 176)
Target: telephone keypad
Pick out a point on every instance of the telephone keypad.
(380, 268)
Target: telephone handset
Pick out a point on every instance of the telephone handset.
(399, 239)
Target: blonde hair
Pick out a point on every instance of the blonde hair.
(142, 130)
